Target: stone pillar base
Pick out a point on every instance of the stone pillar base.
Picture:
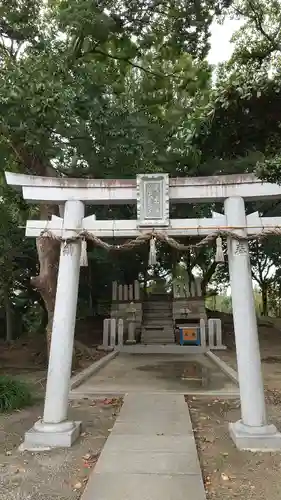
(265, 438)
(106, 348)
(44, 437)
(130, 342)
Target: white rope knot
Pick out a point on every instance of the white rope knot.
(152, 252)
(219, 250)
(67, 248)
(84, 256)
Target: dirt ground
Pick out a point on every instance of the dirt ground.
(59, 474)
(270, 347)
(230, 474)
(26, 360)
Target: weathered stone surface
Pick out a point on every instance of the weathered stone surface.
(150, 454)
(35, 439)
(178, 444)
(140, 462)
(144, 487)
(263, 439)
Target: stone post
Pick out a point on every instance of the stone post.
(120, 332)
(211, 333)
(198, 287)
(114, 291)
(55, 430)
(113, 332)
(218, 333)
(203, 332)
(120, 293)
(215, 333)
(131, 293)
(126, 293)
(105, 342)
(252, 431)
(131, 332)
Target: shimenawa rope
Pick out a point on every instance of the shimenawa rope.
(153, 236)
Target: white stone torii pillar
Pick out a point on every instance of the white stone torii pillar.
(252, 431)
(54, 430)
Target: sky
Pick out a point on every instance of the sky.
(221, 47)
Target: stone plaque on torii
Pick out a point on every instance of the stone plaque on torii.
(152, 193)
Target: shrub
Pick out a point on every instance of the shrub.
(13, 394)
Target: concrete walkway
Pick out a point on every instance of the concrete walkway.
(157, 373)
(150, 453)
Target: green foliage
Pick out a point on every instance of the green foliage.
(141, 24)
(112, 84)
(32, 318)
(259, 38)
(242, 118)
(99, 89)
(241, 125)
(17, 254)
(270, 169)
(14, 395)
(220, 303)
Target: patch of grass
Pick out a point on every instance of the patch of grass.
(13, 394)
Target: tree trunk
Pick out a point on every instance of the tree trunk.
(207, 277)
(46, 282)
(48, 249)
(8, 315)
(90, 296)
(264, 311)
(44, 317)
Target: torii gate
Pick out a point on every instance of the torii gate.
(152, 193)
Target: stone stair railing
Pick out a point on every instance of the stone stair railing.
(215, 334)
(211, 335)
(113, 334)
(127, 304)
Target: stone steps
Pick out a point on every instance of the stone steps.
(157, 309)
(157, 314)
(154, 335)
(157, 326)
(160, 335)
(158, 322)
(158, 341)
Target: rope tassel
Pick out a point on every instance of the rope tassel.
(84, 256)
(219, 250)
(152, 252)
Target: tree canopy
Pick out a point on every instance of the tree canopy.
(108, 89)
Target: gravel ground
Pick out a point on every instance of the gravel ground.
(59, 474)
(228, 473)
